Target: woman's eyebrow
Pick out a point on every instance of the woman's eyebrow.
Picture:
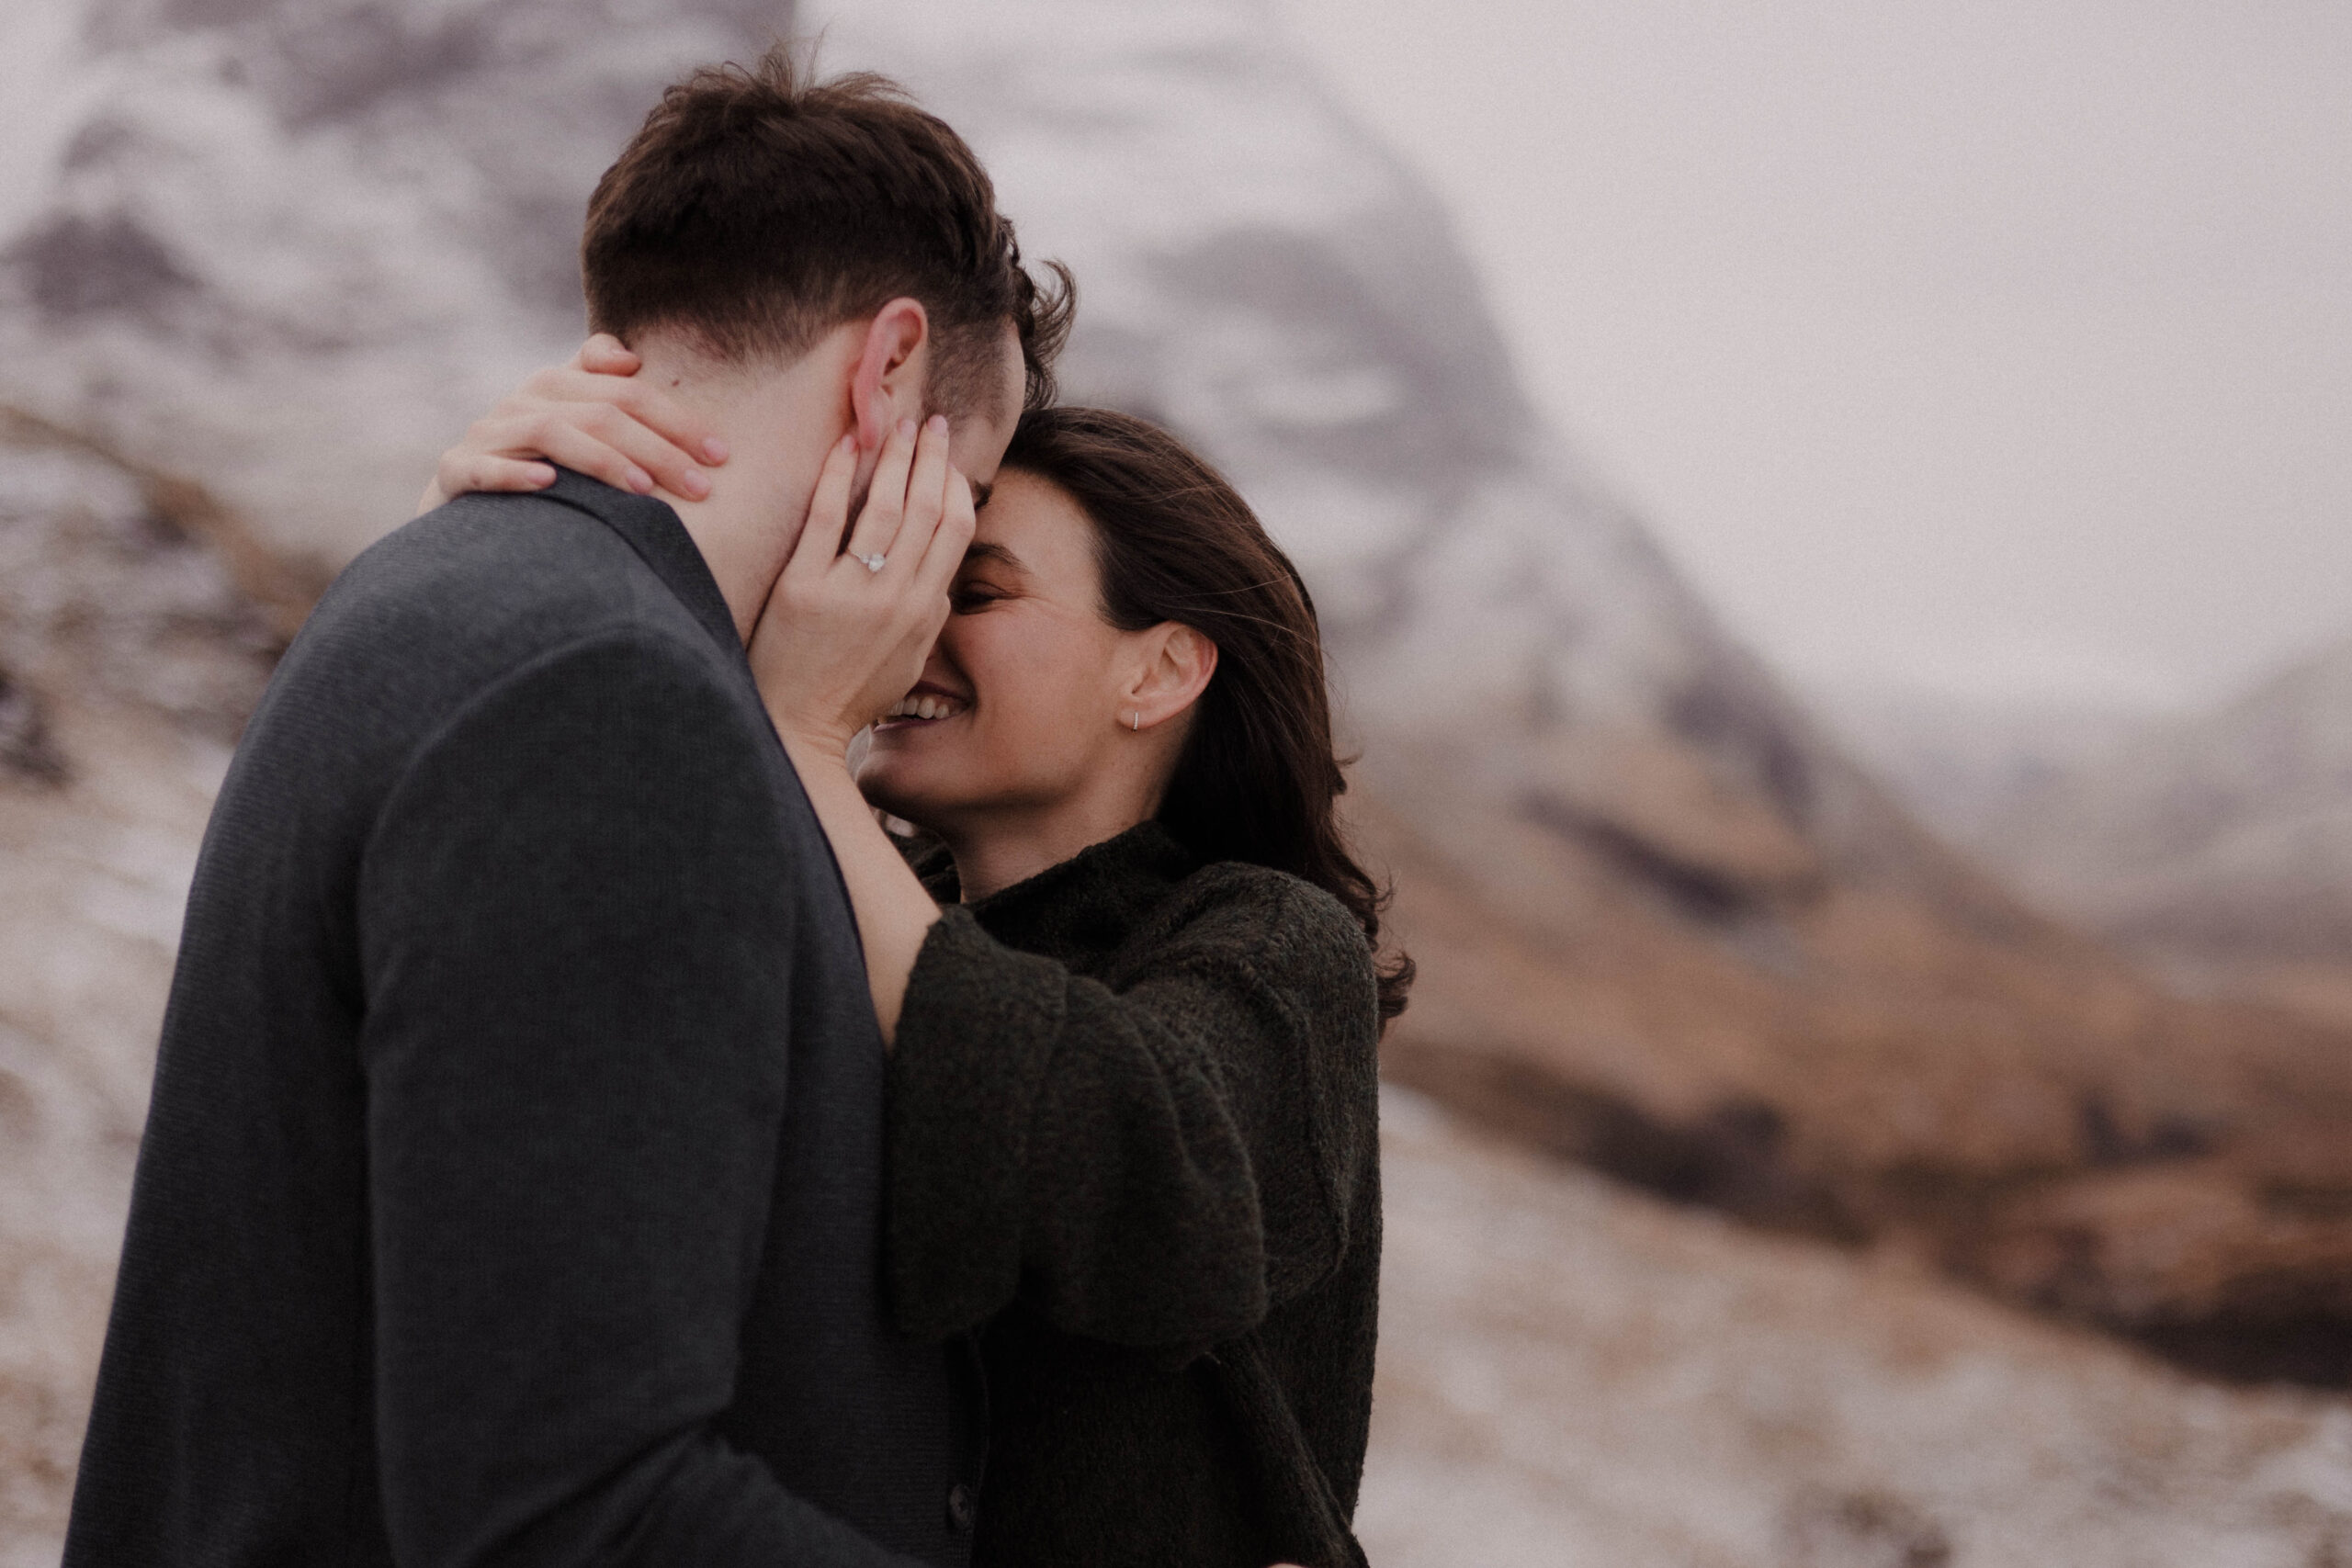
(981, 550)
(980, 493)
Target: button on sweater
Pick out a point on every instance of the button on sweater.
(1134, 1145)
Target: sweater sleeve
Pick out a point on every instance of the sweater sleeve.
(1155, 1166)
(575, 1057)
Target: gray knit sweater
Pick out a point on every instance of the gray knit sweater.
(1134, 1143)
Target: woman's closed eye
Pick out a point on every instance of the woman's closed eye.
(971, 598)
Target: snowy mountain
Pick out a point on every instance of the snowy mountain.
(289, 249)
(293, 248)
(2224, 835)
(1965, 763)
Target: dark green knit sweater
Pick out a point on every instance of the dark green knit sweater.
(1134, 1143)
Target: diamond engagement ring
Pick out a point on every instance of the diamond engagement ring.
(874, 562)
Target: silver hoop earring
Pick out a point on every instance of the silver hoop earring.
(1137, 723)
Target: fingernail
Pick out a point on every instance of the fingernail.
(641, 482)
(715, 450)
(696, 486)
(937, 423)
(907, 429)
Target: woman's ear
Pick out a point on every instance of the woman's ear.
(893, 372)
(1177, 665)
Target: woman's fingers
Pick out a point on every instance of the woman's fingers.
(605, 355)
(598, 439)
(483, 461)
(465, 473)
(574, 435)
(837, 645)
(605, 372)
(622, 427)
(819, 547)
(945, 556)
(627, 431)
(926, 498)
(886, 498)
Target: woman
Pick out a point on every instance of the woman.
(1131, 986)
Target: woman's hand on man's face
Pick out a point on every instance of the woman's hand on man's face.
(842, 638)
(591, 414)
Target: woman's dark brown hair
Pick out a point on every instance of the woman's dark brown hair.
(1258, 780)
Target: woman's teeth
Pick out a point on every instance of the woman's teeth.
(923, 707)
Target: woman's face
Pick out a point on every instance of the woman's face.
(1024, 682)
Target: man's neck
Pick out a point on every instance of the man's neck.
(778, 424)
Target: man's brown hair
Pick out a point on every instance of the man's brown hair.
(758, 208)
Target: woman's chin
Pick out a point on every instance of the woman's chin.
(895, 785)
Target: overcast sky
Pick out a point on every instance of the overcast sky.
(1987, 347)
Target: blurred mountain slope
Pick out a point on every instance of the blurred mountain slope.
(1571, 1373)
(294, 248)
(1667, 926)
(129, 654)
(2214, 846)
(1963, 764)
(2225, 835)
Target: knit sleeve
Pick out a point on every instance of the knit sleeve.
(1155, 1165)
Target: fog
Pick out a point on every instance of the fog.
(1995, 350)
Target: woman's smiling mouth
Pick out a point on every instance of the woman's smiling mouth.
(924, 705)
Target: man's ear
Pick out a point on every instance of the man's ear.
(893, 371)
(1177, 664)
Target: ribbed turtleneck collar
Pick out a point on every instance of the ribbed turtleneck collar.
(1085, 906)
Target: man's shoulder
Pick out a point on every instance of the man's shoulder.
(480, 554)
(487, 583)
(458, 602)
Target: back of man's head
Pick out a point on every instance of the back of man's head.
(757, 209)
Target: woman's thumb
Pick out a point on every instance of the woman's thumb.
(605, 355)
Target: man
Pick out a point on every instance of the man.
(510, 1191)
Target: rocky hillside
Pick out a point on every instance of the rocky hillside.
(1571, 1373)
(1966, 764)
(2213, 847)
(1667, 928)
(129, 654)
(293, 248)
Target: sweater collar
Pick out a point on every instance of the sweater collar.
(661, 540)
(1086, 904)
